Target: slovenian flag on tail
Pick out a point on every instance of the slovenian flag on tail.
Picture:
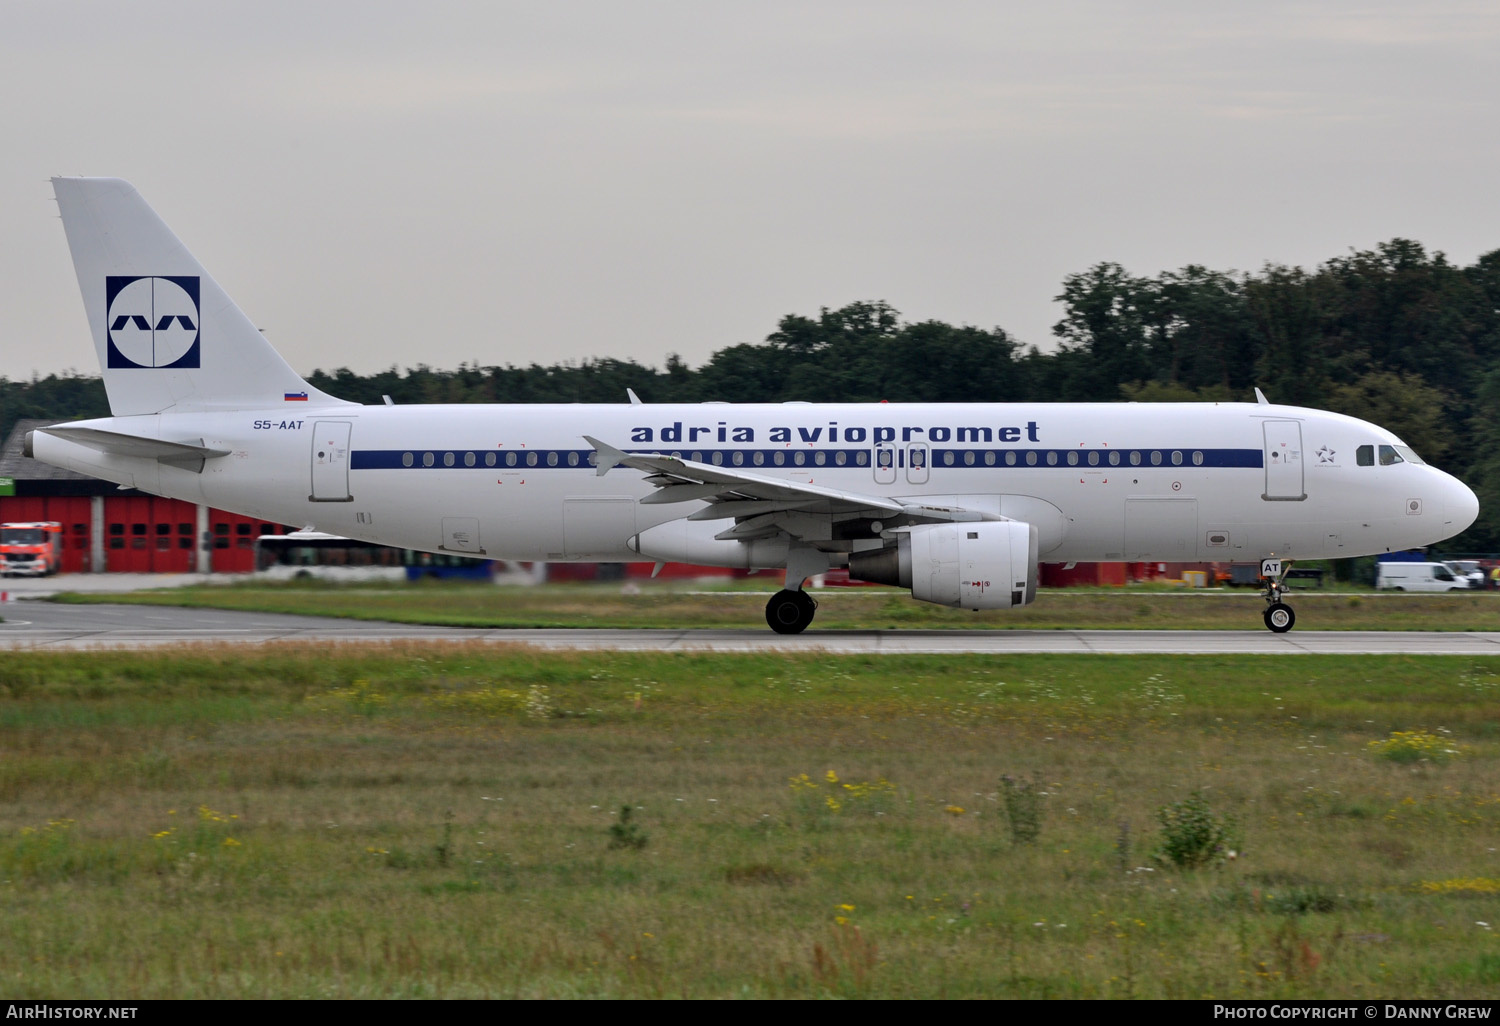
(295, 397)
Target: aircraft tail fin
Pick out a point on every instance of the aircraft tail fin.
(167, 336)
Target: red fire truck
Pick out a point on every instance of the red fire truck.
(32, 549)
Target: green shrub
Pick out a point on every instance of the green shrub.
(1192, 834)
(1023, 808)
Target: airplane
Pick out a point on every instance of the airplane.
(958, 503)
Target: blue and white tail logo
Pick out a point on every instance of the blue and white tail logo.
(152, 321)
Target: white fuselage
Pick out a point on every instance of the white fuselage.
(1101, 482)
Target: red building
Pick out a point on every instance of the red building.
(106, 528)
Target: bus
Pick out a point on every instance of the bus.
(304, 554)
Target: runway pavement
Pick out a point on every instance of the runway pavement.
(46, 626)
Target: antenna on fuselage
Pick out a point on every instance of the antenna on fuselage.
(1260, 397)
(635, 400)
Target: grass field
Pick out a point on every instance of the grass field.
(661, 605)
(447, 821)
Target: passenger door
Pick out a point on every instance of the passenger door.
(1283, 454)
(330, 461)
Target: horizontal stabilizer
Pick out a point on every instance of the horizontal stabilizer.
(188, 455)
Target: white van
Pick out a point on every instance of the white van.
(1418, 577)
(1467, 570)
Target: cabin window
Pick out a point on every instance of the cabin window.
(510, 459)
(1093, 459)
(759, 459)
(447, 459)
(738, 458)
(779, 458)
(1197, 458)
(1072, 459)
(468, 459)
(407, 459)
(1031, 459)
(1176, 457)
(718, 459)
(799, 458)
(862, 457)
(572, 459)
(1156, 457)
(1114, 458)
(427, 459)
(841, 457)
(948, 458)
(1051, 459)
(1010, 459)
(969, 458)
(697, 457)
(989, 458)
(820, 458)
(1135, 459)
(552, 459)
(531, 459)
(489, 459)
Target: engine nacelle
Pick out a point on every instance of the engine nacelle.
(983, 565)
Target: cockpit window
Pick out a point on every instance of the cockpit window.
(1364, 456)
(1389, 455)
(1409, 456)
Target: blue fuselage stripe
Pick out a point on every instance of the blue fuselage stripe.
(941, 458)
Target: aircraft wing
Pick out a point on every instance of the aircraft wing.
(762, 505)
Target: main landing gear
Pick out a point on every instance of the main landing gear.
(789, 612)
(791, 609)
(1279, 616)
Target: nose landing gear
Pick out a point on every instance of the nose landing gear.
(1279, 616)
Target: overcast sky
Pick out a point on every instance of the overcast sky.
(496, 182)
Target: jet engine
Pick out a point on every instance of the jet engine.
(983, 565)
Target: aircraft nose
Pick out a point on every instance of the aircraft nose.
(1461, 505)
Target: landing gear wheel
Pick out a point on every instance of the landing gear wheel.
(1279, 617)
(789, 612)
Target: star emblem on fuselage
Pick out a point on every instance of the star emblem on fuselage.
(1325, 455)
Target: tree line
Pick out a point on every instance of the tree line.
(1394, 335)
